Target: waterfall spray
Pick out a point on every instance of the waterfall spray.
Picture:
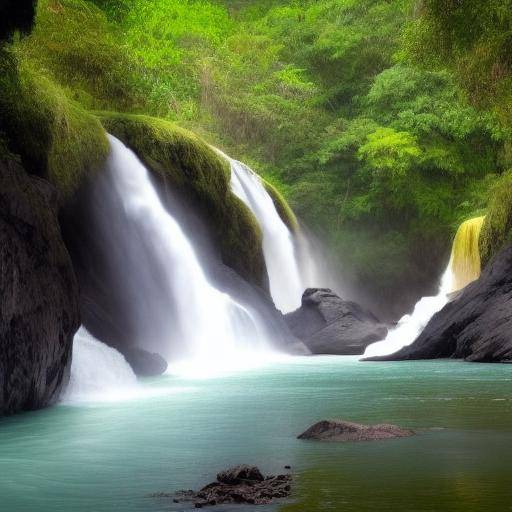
(98, 372)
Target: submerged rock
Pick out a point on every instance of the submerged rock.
(476, 325)
(345, 431)
(240, 484)
(327, 324)
(40, 302)
(144, 363)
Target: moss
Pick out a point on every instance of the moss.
(497, 227)
(55, 138)
(194, 170)
(282, 207)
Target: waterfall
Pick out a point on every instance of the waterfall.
(286, 285)
(463, 268)
(409, 327)
(465, 261)
(199, 325)
(98, 372)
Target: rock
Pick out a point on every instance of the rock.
(240, 484)
(240, 474)
(144, 363)
(344, 431)
(328, 324)
(39, 313)
(476, 325)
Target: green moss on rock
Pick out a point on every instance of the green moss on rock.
(282, 207)
(55, 138)
(497, 227)
(189, 166)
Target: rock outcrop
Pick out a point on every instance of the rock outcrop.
(241, 484)
(39, 313)
(345, 431)
(327, 324)
(476, 325)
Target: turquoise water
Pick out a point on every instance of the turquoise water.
(110, 456)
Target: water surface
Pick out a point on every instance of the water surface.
(110, 456)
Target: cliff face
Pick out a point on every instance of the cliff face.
(476, 325)
(39, 311)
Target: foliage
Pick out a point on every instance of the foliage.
(54, 136)
(384, 123)
(497, 227)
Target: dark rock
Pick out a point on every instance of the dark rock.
(241, 484)
(476, 325)
(240, 474)
(344, 431)
(39, 312)
(144, 363)
(328, 324)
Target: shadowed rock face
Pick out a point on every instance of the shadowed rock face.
(344, 431)
(476, 325)
(328, 324)
(39, 312)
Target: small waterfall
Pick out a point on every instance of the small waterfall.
(465, 261)
(98, 372)
(286, 286)
(197, 322)
(463, 268)
(409, 327)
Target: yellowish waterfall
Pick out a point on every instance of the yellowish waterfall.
(465, 259)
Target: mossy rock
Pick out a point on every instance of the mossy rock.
(497, 227)
(55, 138)
(282, 207)
(191, 168)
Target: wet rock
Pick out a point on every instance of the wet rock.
(476, 325)
(328, 324)
(240, 474)
(240, 484)
(144, 363)
(39, 312)
(345, 431)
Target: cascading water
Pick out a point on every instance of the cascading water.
(409, 327)
(98, 372)
(206, 329)
(465, 262)
(463, 268)
(286, 285)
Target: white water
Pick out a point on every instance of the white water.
(207, 331)
(410, 326)
(286, 285)
(98, 372)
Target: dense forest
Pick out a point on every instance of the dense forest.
(385, 123)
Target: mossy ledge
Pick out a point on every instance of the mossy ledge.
(190, 167)
(497, 227)
(55, 138)
(282, 207)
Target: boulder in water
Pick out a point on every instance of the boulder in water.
(345, 431)
(144, 363)
(476, 325)
(240, 484)
(327, 324)
(40, 298)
